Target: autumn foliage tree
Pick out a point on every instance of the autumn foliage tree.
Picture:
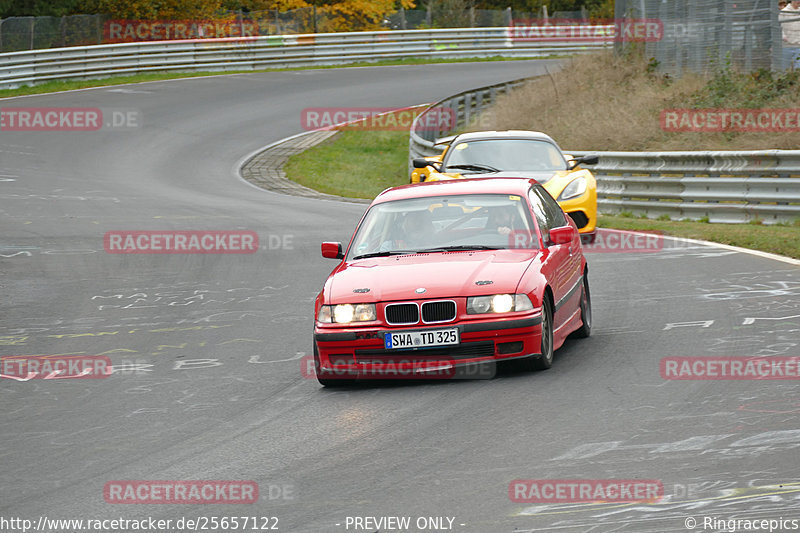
(156, 9)
(331, 15)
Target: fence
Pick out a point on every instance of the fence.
(32, 33)
(19, 68)
(722, 186)
(36, 33)
(701, 35)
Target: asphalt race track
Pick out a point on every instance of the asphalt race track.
(207, 348)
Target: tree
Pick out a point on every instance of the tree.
(156, 9)
(37, 8)
(357, 15)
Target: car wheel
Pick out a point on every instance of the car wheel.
(545, 360)
(586, 311)
(329, 382)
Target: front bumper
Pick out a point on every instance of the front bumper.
(360, 353)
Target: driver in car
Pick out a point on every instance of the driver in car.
(414, 231)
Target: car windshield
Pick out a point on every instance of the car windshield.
(445, 223)
(527, 155)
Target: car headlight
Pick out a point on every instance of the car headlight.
(498, 303)
(346, 313)
(575, 188)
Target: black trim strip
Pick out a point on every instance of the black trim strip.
(511, 324)
(335, 337)
(569, 295)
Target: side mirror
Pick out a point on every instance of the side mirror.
(421, 162)
(332, 250)
(562, 235)
(586, 160)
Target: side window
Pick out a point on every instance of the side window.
(555, 216)
(539, 213)
(548, 213)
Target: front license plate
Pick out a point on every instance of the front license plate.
(399, 340)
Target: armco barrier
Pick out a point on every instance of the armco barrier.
(722, 186)
(250, 53)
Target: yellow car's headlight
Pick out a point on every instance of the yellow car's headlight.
(575, 188)
(346, 313)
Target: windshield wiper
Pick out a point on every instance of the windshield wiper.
(459, 248)
(478, 168)
(383, 254)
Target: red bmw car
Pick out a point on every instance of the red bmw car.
(443, 277)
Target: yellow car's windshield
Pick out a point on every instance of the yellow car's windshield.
(496, 155)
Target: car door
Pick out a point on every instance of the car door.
(564, 258)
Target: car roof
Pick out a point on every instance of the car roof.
(507, 134)
(455, 187)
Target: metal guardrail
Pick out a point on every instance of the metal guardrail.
(722, 186)
(250, 53)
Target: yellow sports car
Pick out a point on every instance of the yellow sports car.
(518, 154)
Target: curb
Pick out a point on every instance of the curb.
(265, 168)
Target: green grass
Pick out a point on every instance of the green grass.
(360, 164)
(55, 86)
(356, 164)
(777, 239)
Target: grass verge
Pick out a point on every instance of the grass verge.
(355, 163)
(776, 239)
(56, 86)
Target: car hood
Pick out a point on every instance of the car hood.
(443, 275)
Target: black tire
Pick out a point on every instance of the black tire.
(329, 382)
(545, 359)
(586, 311)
